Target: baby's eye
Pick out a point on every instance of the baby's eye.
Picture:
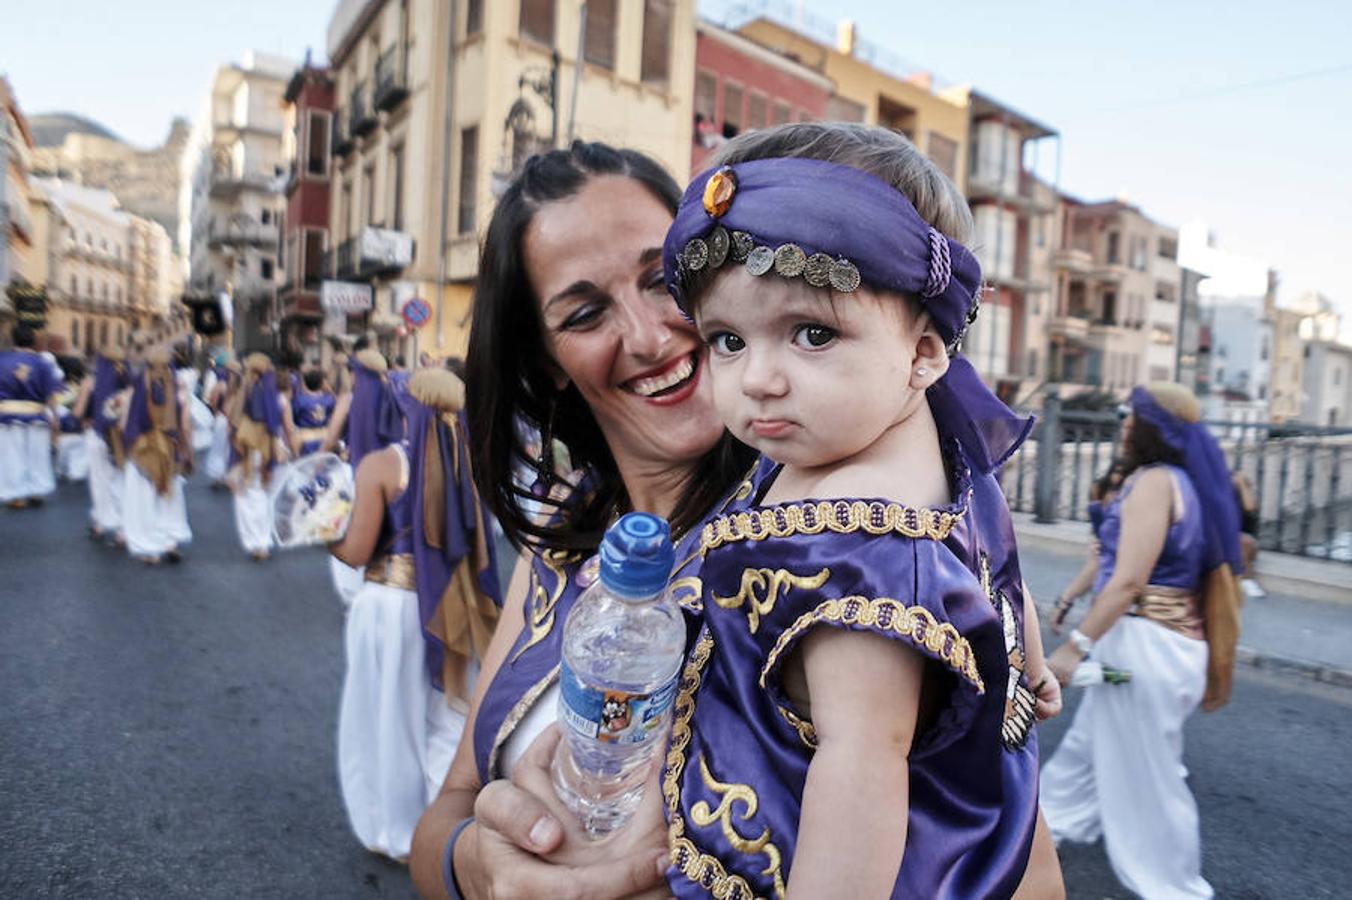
(725, 342)
(813, 337)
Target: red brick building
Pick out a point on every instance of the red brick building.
(306, 237)
(740, 85)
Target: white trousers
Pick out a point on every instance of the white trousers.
(105, 486)
(253, 514)
(25, 461)
(1119, 772)
(152, 523)
(218, 454)
(346, 580)
(203, 425)
(72, 456)
(396, 735)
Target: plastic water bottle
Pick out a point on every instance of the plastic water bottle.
(623, 644)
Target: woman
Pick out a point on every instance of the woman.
(308, 414)
(256, 447)
(156, 434)
(421, 622)
(105, 450)
(222, 381)
(1166, 608)
(1101, 494)
(575, 337)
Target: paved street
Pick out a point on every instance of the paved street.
(169, 732)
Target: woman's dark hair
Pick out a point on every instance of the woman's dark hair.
(314, 379)
(1110, 481)
(509, 380)
(1146, 447)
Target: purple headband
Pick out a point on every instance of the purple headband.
(1206, 469)
(836, 226)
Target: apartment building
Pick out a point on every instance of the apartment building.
(230, 196)
(308, 144)
(1014, 214)
(409, 204)
(1327, 381)
(1116, 319)
(21, 265)
(740, 86)
(869, 85)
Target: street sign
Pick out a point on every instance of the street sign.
(344, 296)
(416, 312)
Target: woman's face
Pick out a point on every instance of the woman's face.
(595, 264)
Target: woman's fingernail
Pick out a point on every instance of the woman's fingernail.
(543, 831)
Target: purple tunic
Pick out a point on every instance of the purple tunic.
(310, 414)
(110, 378)
(374, 420)
(943, 581)
(1180, 564)
(27, 382)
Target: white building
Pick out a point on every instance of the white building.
(230, 195)
(1327, 384)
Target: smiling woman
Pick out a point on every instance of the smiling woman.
(576, 339)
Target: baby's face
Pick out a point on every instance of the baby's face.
(806, 377)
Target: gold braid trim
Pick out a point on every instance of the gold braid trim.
(518, 712)
(729, 794)
(840, 516)
(696, 865)
(540, 603)
(885, 614)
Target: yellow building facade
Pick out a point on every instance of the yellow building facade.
(400, 183)
(867, 93)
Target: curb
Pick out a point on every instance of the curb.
(1300, 668)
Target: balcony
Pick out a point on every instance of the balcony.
(242, 234)
(233, 128)
(382, 251)
(361, 118)
(391, 80)
(1070, 328)
(1073, 259)
(226, 180)
(342, 138)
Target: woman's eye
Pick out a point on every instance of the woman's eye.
(813, 337)
(655, 282)
(725, 342)
(582, 317)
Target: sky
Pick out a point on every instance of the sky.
(1237, 114)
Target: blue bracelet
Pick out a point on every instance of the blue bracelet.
(448, 861)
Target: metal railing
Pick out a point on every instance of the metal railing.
(1301, 475)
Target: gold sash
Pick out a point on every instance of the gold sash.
(394, 570)
(1175, 608)
(21, 408)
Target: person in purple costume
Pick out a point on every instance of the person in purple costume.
(421, 622)
(864, 613)
(309, 412)
(156, 435)
(1166, 608)
(99, 406)
(29, 385)
(257, 445)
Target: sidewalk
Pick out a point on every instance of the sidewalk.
(1303, 626)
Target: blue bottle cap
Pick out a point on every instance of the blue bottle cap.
(637, 556)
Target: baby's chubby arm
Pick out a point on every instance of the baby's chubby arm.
(865, 696)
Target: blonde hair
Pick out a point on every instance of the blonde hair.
(886, 155)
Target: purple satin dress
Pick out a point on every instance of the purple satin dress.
(310, 415)
(27, 381)
(1181, 561)
(946, 583)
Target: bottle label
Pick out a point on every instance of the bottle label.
(613, 717)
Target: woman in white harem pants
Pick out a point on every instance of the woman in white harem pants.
(258, 445)
(154, 514)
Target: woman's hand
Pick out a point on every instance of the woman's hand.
(1056, 616)
(1063, 661)
(525, 843)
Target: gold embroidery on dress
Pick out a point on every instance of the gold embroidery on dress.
(770, 583)
(700, 867)
(702, 816)
(807, 732)
(1020, 704)
(886, 614)
(518, 712)
(540, 603)
(839, 516)
(687, 591)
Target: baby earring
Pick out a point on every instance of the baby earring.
(921, 372)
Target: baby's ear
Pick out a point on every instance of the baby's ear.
(931, 355)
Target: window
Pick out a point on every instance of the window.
(119, 333)
(265, 269)
(474, 17)
(537, 21)
(314, 256)
(397, 188)
(75, 333)
(317, 150)
(838, 109)
(598, 45)
(369, 186)
(74, 285)
(89, 334)
(469, 165)
(1113, 250)
(1032, 363)
(656, 63)
(345, 211)
(780, 113)
(706, 96)
(732, 109)
(104, 286)
(943, 152)
(103, 334)
(266, 217)
(757, 110)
